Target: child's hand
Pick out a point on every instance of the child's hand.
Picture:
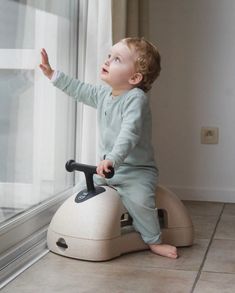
(104, 167)
(45, 65)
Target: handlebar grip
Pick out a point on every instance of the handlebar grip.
(109, 174)
(71, 166)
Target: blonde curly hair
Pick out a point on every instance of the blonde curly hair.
(148, 62)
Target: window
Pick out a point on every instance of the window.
(37, 122)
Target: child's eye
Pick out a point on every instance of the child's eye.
(117, 59)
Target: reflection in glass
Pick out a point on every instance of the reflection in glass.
(17, 23)
(37, 122)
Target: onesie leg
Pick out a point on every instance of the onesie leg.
(145, 220)
(136, 187)
(137, 191)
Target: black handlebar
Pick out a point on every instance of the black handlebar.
(88, 170)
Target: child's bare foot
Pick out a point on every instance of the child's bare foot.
(164, 250)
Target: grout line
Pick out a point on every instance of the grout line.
(207, 250)
(224, 273)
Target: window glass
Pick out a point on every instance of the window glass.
(17, 25)
(37, 121)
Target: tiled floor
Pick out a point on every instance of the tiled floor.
(206, 267)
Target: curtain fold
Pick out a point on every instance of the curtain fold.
(95, 40)
(102, 23)
(129, 18)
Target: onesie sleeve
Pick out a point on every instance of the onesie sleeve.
(134, 110)
(81, 91)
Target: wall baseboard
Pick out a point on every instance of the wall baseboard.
(203, 194)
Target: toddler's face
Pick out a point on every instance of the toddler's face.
(119, 66)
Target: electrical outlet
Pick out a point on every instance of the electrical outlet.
(209, 135)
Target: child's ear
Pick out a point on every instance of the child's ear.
(136, 78)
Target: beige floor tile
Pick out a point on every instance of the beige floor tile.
(226, 228)
(190, 258)
(221, 257)
(229, 209)
(204, 226)
(202, 208)
(215, 283)
(144, 271)
(58, 274)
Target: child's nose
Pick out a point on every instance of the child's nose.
(107, 62)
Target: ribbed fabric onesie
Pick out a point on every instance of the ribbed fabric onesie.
(125, 139)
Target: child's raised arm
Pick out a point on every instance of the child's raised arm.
(81, 91)
(45, 65)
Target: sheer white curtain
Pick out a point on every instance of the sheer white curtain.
(95, 39)
(36, 120)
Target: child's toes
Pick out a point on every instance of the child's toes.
(173, 255)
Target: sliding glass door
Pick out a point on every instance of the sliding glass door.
(37, 122)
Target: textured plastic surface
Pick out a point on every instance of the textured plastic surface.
(91, 230)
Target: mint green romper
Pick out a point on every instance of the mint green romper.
(125, 139)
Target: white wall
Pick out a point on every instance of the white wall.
(196, 88)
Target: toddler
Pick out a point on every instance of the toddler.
(124, 120)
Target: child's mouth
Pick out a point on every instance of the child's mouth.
(104, 71)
